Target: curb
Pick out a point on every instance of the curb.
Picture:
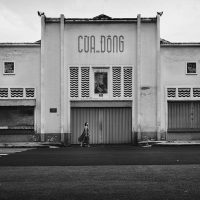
(168, 143)
(30, 145)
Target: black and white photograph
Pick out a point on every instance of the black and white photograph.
(99, 100)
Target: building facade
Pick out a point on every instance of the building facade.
(115, 73)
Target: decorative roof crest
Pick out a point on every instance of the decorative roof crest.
(102, 17)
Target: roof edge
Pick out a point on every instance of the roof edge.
(181, 44)
(99, 20)
(19, 44)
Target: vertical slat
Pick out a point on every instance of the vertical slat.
(196, 114)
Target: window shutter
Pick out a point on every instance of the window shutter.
(73, 81)
(128, 82)
(85, 83)
(116, 81)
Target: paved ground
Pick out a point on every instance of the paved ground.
(104, 155)
(118, 172)
(130, 182)
(8, 151)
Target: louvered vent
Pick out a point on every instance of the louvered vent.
(73, 81)
(16, 92)
(171, 92)
(3, 92)
(196, 92)
(183, 92)
(127, 82)
(85, 83)
(116, 81)
(30, 92)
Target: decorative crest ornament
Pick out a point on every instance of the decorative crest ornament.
(102, 17)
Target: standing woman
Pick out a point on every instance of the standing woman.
(84, 139)
(87, 136)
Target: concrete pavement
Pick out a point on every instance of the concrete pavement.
(29, 144)
(104, 155)
(147, 143)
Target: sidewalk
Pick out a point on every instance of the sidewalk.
(29, 145)
(147, 143)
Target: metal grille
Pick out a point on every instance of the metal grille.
(3, 92)
(116, 81)
(73, 81)
(127, 82)
(196, 92)
(183, 115)
(184, 92)
(171, 92)
(30, 92)
(16, 92)
(85, 83)
(107, 125)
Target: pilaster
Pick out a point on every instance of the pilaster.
(158, 79)
(138, 77)
(62, 109)
(42, 77)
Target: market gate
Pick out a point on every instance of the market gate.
(107, 125)
(183, 119)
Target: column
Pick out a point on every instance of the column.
(158, 79)
(62, 109)
(138, 77)
(42, 77)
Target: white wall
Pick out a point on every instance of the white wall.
(148, 77)
(73, 57)
(27, 71)
(173, 64)
(52, 77)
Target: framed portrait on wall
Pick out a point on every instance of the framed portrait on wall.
(101, 82)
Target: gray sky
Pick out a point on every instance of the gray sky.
(20, 23)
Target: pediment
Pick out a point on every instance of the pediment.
(102, 17)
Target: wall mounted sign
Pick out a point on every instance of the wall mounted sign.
(53, 110)
(9, 68)
(101, 44)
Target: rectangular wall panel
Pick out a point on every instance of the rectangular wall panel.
(107, 125)
(78, 118)
(17, 117)
(183, 115)
(196, 115)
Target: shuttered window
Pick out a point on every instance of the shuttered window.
(184, 92)
(30, 92)
(73, 81)
(85, 83)
(16, 92)
(3, 92)
(196, 92)
(128, 82)
(171, 92)
(116, 81)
